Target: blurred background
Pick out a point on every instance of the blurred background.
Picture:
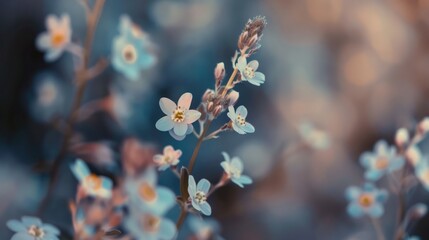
(357, 70)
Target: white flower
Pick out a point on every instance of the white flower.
(198, 194)
(179, 118)
(97, 186)
(57, 38)
(234, 169)
(248, 71)
(170, 157)
(238, 119)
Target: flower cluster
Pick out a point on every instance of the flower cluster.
(400, 163)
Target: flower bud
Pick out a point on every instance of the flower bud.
(402, 137)
(208, 95)
(413, 155)
(417, 211)
(251, 36)
(232, 98)
(210, 106)
(219, 74)
(217, 111)
(424, 125)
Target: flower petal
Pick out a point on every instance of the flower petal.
(167, 229)
(185, 101)
(245, 179)
(352, 193)
(242, 111)
(175, 136)
(206, 209)
(16, 226)
(354, 210)
(203, 185)
(192, 116)
(28, 221)
(43, 41)
(192, 186)
(53, 54)
(376, 211)
(22, 236)
(180, 129)
(167, 106)
(241, 63)
(237, 163)
(164, 124)
(80, 169)
(254, 64)
(249, 128)
(237, 128)
(48, 228)
(226, 157)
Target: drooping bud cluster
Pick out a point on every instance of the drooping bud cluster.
(213, 103)
(249, 39)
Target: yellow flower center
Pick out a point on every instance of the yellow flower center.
(366, 200)
(178, 115)
(57, 39)
(241, 120)
(35, 231)
(200, 197)
(249, 72)
(93, 181)
(381, 163)
(129, 53)
(147, 192)
(151, 223)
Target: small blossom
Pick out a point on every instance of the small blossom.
(169, 158)
(248, 71)
(315, 138)
(414, 155)
(238, 120)
(383, 159)
(179, 118)
(424, 125)
(148, 226)
(131, 50)
(145, 193)
(402, 137)
(204, 229)
(32, 228)
(198, 194)
(97, 186)
(234, 169)
(366, 201)
(57, 37)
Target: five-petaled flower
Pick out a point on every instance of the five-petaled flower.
(248, 71)
(383, 159)
(238, 120)
(145, 193)
(204, 229)
(366, 201)
(198, 194)
(32, 228)
(169, 158)
(97, 186)
(179, 118)
(131, 50)
(57, 38)
(234, 169)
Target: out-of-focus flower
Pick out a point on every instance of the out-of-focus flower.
(98, 153)
(366, 201)
(412, 238)
(402, 137)
(147, 195)
(214, 102)
(424, 125)
(417, 211)
(198, 194)
(422, 172)
(32, 228)
(315, 138)
(170, 157)
(148, 226)
(234, 169)
(249, 40)
(383, 159)
(136, 156)
(97, 186)
(248, 71)
(57, 38)
(131, 50)
(414, 155)
(179, 118)
(204, 229)
(238, 120)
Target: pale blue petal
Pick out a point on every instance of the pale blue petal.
(382, 195)
(167, 106)
(192, 116)
(376, 211)
(369, 187)
(241, 63)
(353, 193)
(236, 181)
(396, 163)
(167, 229)
(373, 175)
(354, 210)
(178, 138)
(16, 226)
(254, 64)
(166, 199)
(190, 129)
(249, 128)
(106, 183)
(381, 147)
(29, 221)
(245, 179)
(22, 236)
(48, 228)
(203, 185)
(164, 124)
(366, 159)
(53, 54)
(231, 112)
(180, 128)
(237, 128)
(242, 110)
(43, 41)
(80, 169)
(50, 236)
(225, 165)
(192, 186)
(255, 82)
(226, 157)
(206, 209)
(237, 163)
(196, 205)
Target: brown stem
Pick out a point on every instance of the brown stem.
(181, 219)
(197, 147)
(378, 229)
(230, 81)
(401, 205)
(93, 18)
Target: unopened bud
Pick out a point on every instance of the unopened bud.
(424, 125)
(413, 155)
(210, 107)
(232, 98)
(219, 73)
(402, 137)
(217, 111)
(208, 95)
(251, 36)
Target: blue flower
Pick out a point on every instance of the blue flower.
(130, 50)
(97, 186)
(57, 38)
(248, 71)
(148, 226)
(204, 229)
(32, 228)
(198, 194)
(366, 201)
(234, 168)
(179, 118)
(238, 120)
(145, 193)
(314, 137)
(170, 157)
(412, 238)
(383, 159)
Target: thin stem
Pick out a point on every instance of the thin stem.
(401, 205)
(378, 229)
(197, 147)
(81, 84)
(181, 219)
(230, 81)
